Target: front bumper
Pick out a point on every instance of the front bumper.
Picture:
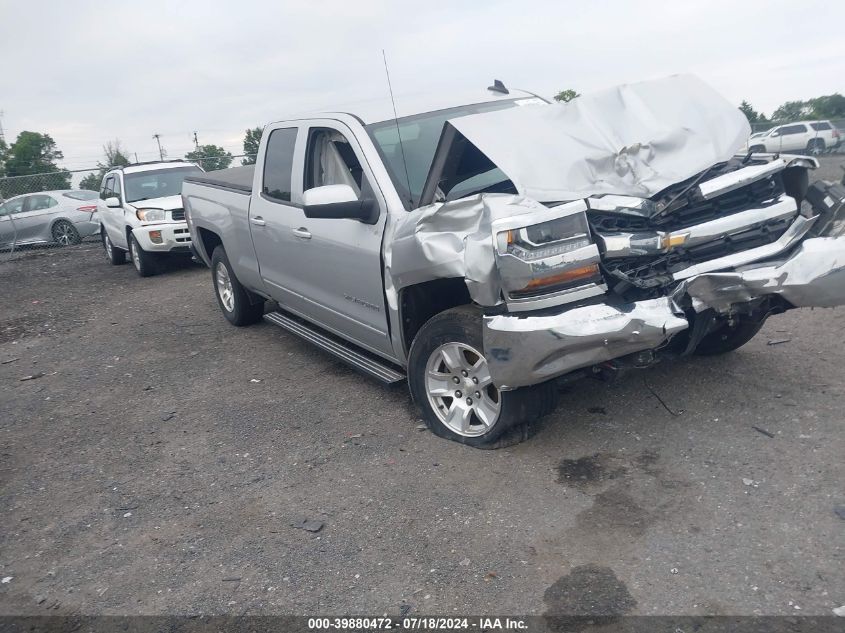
(525, 350)
(175, 237)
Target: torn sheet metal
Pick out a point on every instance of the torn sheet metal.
(454, 239)
(635, 139)
(528, 350)
(814, 276)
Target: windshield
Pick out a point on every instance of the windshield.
(156, 183)
(420, 134)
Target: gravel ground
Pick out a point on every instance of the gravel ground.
(161, 461)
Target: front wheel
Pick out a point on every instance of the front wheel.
(115, 255)
(65, 233)
(145, 263)
(450, 381)
(728, 337)
(239, 306)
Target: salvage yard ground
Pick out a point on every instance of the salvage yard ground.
(158, 460)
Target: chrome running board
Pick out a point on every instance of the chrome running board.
(364, 362)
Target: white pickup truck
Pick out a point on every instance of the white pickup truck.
(141, 213)
(488, 246)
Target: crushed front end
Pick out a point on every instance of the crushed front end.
(742, 240)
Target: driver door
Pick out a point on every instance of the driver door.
(330, 268)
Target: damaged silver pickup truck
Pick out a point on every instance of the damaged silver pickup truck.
(487, 247)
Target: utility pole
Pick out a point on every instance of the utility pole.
(2, 136)
(157, 137)
(196, 142)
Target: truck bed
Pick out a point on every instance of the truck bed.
(237, 179)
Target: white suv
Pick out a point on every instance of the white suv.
(813, 137)
(141, 212)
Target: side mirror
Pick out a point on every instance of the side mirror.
(113, 202)
(337, 202)
(774, 134)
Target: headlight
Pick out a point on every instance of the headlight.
(151, 215)
(553, 257)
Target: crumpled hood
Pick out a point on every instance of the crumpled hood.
(165, 202)
(634, 139)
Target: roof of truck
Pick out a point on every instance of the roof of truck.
(153, 165)
(380, 108)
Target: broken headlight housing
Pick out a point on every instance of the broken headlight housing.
(550, 261)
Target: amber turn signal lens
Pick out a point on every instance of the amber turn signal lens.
(584, 272)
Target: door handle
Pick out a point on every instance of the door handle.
(258, 221)
(302, 232)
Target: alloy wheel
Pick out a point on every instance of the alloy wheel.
(460, 390)
(224, 287)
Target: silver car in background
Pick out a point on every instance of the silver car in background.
(60, 217)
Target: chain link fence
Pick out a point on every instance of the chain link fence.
(61, 209)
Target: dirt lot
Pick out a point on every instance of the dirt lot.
(161, 461)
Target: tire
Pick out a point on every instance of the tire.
(727, 339)
(65, 234)
(145, 263)
(115, 255)
(757, 149)
(815, 146)
(448, 348)
(239, 305)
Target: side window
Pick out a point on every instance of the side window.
(331, 160)
(793, 129)
(116, 189)
(820, 127)
(13, 206)
(108, 188)
(278, 164)
(39, 203)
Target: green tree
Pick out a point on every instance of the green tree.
(566, 95)
(751, 114)
(791, 111)
(4, 149)
(115, 156)
(252, 139)
(828, 106)
(34, 153)
(210, 157)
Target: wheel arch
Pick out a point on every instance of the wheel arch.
(208, 241)
(420, 302)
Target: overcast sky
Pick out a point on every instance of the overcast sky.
(87, 72)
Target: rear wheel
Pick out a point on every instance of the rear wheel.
(728, 338)
(145, 263)
(65, 233)
(450, 381)
(239, 305)
(757, 149)
(115, 255)
(815, 146)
